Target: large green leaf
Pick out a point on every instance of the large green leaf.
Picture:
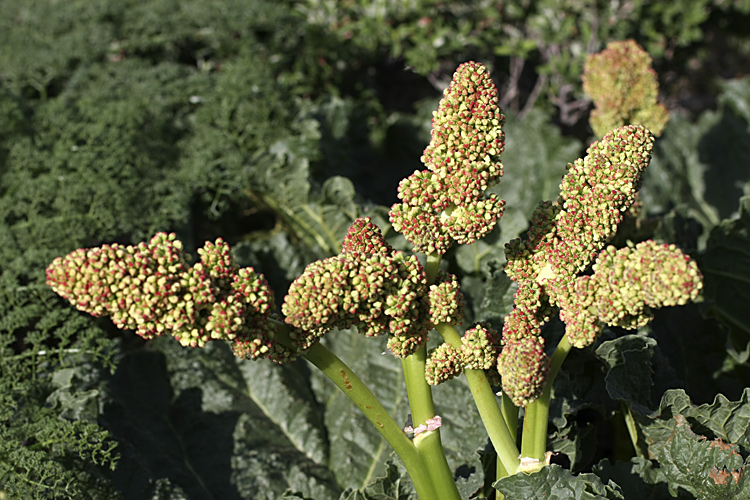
(555, 483)
(708, 469)
(629, 374)
(726, 271)
(638, 478)
(696, 450)
(701, 166)
(723, 419)
(215, 426)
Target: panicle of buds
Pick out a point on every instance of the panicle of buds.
(523, 368)
(479, 350)
(480, 347)
(151, 289)
(564, 239)
(447, 202)
(626, 285)
(446, 300)
(443, 363)
(372, 287)
(624, 88)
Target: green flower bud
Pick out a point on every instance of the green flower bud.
(447, 202)
(626, 285)
(443, 363)
(150, 288)
(480, 347)
(446, 300)
(381, 292)
(523, 367)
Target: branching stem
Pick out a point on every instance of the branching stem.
(353, 387)
(489, 410)
(534, 440)
(429, 445)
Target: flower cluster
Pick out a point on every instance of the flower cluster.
(480, 347)
(624, 88)
(447, 202)
(563, 240)
(446, 301)
(625, 286)
(372, 287)
(151, 289)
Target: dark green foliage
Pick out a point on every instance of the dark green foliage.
(556, 483)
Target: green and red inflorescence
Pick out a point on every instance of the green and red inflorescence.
(447, 202)
(626, 285)
(624, 88)
(523, 368)
(479, 350)
(446, 300)
(150, 288)
(372, 287)
(564, 239)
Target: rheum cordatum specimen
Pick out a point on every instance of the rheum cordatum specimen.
(564, 266)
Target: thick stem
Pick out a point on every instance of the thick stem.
(510, 413)
(351, 385)
(429, 445)
(489, 410)
(534, 440)
(432, 266)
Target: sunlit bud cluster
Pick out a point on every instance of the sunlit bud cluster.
(564, 239)
(624, 88)
(365, 237)
(380, 292)
(447, 202)
(446, 300)
(626, 285)
(523, 368)
(523, 365)
(151, 289)
(444, 363)
(480, 347)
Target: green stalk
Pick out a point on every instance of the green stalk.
(534, 440)
(429, 445)
(432, 266)
(489, 410)
(632, 427)
(510, 413)
(351, 385)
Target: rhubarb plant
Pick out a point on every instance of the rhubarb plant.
(564, 271)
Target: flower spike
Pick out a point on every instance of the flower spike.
(447, 203)
(151, 289)
(624, 88)
(564, 239)
(368, 285)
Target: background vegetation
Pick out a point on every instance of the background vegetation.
(274, 124)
